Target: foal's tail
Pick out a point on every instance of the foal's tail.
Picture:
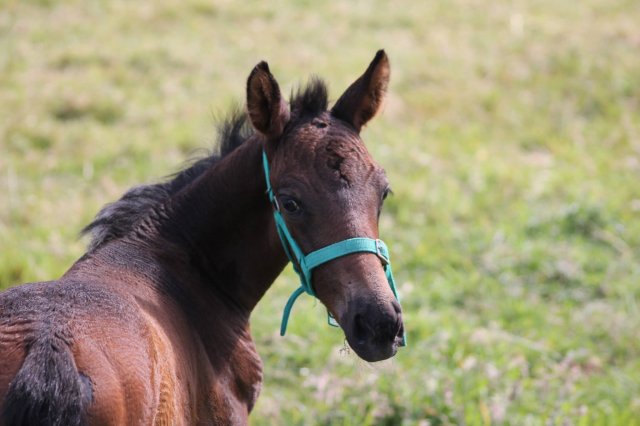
(48, 390)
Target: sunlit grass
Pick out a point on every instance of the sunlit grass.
(511, 137)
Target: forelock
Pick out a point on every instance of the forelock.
(312, 99)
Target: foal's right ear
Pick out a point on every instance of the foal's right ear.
(269, 113)
(364, 98)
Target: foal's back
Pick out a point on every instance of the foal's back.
(57, 341)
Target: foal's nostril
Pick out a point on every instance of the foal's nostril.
(396, 306)
(360, 328)
(400, 332)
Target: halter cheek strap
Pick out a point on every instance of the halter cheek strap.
(303, 264)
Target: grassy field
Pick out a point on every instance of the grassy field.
(511, 138)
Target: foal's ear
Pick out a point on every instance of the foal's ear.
(268, 112)
(364, 98)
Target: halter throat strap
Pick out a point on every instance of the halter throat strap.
(303, 264)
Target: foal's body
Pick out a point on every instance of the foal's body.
(151, 326)
(141, 299)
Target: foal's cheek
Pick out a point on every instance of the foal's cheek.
(340, 281)
(328, 290)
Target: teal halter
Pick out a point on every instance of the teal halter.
(304, 264)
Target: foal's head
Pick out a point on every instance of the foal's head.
(329, 189)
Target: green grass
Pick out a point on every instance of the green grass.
(511, 137)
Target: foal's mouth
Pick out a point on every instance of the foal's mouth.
(374, 340)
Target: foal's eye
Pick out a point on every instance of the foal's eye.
(290, 205)
(386, 193)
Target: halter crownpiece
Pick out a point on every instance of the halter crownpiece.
(303, 264)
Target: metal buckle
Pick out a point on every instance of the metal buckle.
(331, 320)
(383, 258)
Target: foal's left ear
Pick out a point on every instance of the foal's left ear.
(269, 113)
(364, 98)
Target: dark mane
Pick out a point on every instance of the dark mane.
(117, 219)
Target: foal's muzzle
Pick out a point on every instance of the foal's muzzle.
(374, 331)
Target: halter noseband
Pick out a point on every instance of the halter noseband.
(303, 264)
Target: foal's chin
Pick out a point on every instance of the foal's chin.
(373, 353)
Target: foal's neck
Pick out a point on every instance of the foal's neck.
(223, 224)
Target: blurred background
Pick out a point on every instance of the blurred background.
(511, 137)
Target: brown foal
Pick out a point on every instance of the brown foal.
(151, 325)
